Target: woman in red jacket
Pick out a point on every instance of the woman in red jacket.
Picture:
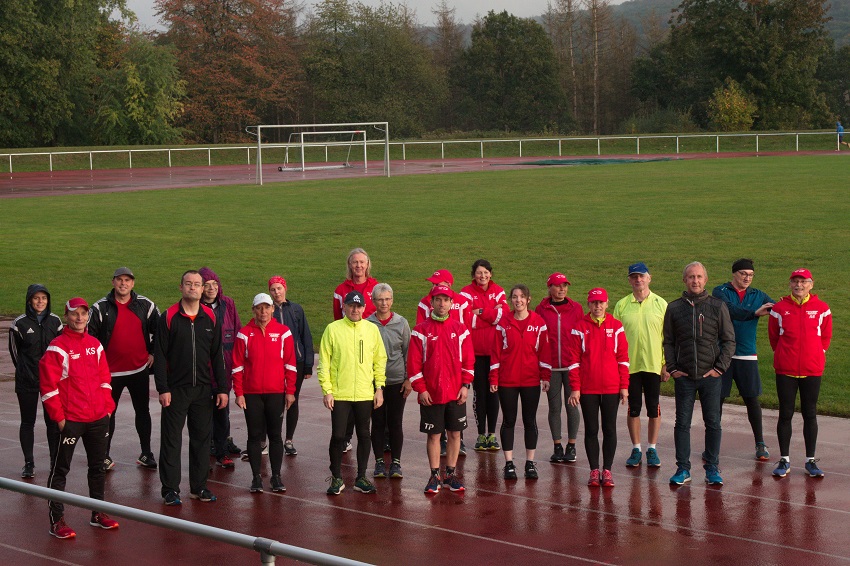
(487, 305)
(358, 277)
(599, 379)
(519, 367)
(800, 330)
(264, 376)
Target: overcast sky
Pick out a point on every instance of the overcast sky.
(465, 10)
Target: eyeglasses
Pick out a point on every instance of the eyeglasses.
(193, 285)
(746, 275)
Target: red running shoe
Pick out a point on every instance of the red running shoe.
(60, 530)
(607, 479)
(225, 462)
(594, 478)
(103, 521)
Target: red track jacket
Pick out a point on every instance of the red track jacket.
(440, 359)
(520, 352)
(346, 287)
(599, 357)
(264, 363)
(800, 336)
(484, 327)
(460, 309)
(560, 321)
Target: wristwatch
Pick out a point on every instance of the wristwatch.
(467, 385)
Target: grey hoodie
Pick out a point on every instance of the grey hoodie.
(396, 336)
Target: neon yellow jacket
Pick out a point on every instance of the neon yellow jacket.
(352, 360)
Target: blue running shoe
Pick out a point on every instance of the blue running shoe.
(782, 468)
(712, 476)
(434, 484)
(454, 483)
(761, 452)
(634, 459)
(681, 477)
(652, 459)
(813, 470)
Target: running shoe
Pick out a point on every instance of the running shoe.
(782, 468)
(454, 483)
(380, 470)
(257, 484)
(607, 479)
(363, 485)
(230, 447)
(492, 443)
(681, 477)
(60, 530)
(634, 459)
(812, 468)
(558, 455)
(28, 470)
(761, 452)
(171, 499)
(652, 459)
(225, 462)
(336, 486)
(244, 456)
(289, 448)
(103, 521)
(712, 476)
(146, 460)
(443, 445)
(570, 453)
(462, 451)
(265, 450)
(204, 495)
(108, 464)
(434, 484)
(481, 443)
(510, 471)
(594, 478)
(348, 446)
(531, 470)
(277, 485)
(395, 469)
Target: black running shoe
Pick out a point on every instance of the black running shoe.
(557, 455)
(28, 470)
(277, 485)
(230, 447)
(204, 495)
(289, 448)
(570, 453)
(146, 460)
(531, 470)
(257, 484)
(510, 471)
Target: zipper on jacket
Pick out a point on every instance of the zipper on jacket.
(696, 354)
(194, 356)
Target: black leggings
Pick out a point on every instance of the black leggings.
(264, 416)
(28, 403)
(786, 391)
(292, 412)
(138, 385)
(388, 417)
(509, 398)
(591, 406)
(343, 410)
(485, 405)
(753, 415)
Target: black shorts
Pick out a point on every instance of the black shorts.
(439, 418)
(745, 374)
(649, 384)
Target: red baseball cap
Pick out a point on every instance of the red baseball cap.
(441, 290)
(556, 279)
(75, 303)
(441, 275)
(597, 294)
(804, 273)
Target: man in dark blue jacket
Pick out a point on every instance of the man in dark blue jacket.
(746, 304)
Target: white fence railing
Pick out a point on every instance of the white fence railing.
(683, 144)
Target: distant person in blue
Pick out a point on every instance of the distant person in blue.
(746, 304)
(839, 129)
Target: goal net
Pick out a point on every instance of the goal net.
(317, 147)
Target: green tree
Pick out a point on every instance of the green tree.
(509, 78)
(730, 109)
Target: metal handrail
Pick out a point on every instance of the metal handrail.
(267, 548)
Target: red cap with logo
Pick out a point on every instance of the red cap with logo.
(75, 303)
(597, 294)
(557, 279)
(442, 275)
(441, 290)
(804, 273)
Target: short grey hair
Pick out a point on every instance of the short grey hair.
(694, 264)
(382, 288)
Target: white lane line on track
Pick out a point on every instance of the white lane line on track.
(44, 556)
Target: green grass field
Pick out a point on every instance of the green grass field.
(590, 222)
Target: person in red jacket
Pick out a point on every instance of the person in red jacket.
(264, 376)
(518, 367)
(800, 330)
(440, 364)
(76, 392)
(358, 278)
(599, 379)
(561, 315)
(488, 304)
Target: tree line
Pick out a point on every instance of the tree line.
(81, 73)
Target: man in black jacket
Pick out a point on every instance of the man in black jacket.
(125, 323)
(699, 341)
(187, 355)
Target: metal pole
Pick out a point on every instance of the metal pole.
(598, 146)
(520, 148)
(50, 157)
(442, 150)
(403, 151)
(797, 143)
(303, 164)
(718, 145)
(260, 154)
(248, 151)
(10, 163)
(387, 146)
(365, 157)
(559, 147)
(169, 157)
(209, 157)
(677, 144)
(130, 156)
(482, 149)
(91, 165)
(638, 145)
(757, 143)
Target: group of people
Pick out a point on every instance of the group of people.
(478, 340)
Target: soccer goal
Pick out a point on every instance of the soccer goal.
(317, 147)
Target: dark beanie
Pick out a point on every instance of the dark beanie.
(742, 263)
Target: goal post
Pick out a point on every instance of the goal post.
(351, 138)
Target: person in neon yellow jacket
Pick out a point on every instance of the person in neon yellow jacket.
(352, 373)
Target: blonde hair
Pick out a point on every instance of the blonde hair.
(348, 273)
